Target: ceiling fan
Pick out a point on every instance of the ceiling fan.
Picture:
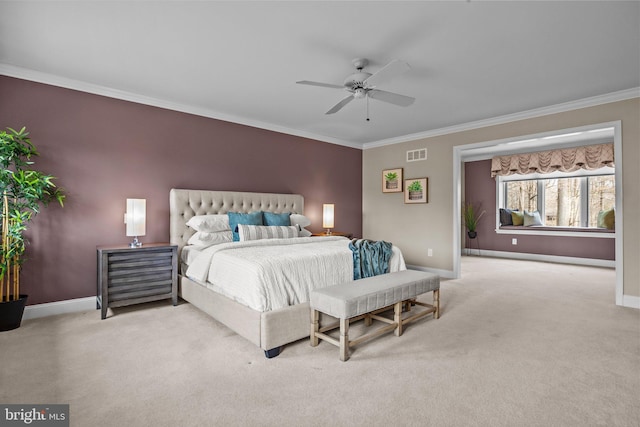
(364, 85)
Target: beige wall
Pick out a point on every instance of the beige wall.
(416, 228)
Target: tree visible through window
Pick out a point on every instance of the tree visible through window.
(522, 195)
(563, 202)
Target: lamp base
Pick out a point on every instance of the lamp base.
(136, 243)
(328, 232)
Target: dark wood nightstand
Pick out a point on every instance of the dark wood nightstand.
(135, 275)
(335, 233)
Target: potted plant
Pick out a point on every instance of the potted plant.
(415, 190)
(471, 218)
(22, 192)
(391, 180)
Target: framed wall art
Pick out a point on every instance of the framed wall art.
(416, 190)
(392, 180)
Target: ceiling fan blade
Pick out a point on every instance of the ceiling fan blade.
(340, 104)
(386, 73)
(390, 97)
(307, 82)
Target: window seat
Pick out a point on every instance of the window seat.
(556, 229)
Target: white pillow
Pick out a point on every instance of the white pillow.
(202, 238)
(303, 232)
(301, 220)
(258, 232)
(532, 218)
(209, 223)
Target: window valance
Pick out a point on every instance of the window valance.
(588, 157)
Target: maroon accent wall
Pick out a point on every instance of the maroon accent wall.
(480, 189)
(105, 150)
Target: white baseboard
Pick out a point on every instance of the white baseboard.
(89, 303)
(627, 300)
(445, 274)
(630, 301)
(544, 258)
(59, 307)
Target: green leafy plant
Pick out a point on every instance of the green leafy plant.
(23, 191)
(415, 186)
(471, 216)
(391, 176)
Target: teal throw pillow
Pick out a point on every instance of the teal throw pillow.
(280, 219)
(235, 218)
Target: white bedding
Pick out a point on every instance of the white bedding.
(189, 253)
(271, 274)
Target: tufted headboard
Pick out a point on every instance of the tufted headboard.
(184, 204)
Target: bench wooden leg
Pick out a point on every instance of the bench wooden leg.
(315, 325)
(408, 303)
(436, 303)
(367, 319)
(397, 318)
(344, 339)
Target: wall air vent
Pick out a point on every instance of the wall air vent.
(417, 155)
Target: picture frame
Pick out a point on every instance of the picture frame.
(416, 190)
(392, 180)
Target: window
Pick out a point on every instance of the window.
(522, 195)
(563, 200)
(602, 196)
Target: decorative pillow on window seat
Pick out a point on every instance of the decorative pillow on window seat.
(532, 219)
(607, 219)
(517, 218)
(505, 216)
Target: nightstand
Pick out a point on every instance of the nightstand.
(334, 233)
(135, 275)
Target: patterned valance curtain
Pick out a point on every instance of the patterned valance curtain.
(565, 160)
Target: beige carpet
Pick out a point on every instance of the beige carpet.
(518, 344)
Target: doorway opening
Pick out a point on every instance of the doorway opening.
(564, 138)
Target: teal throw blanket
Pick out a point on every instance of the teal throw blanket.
(370, 257)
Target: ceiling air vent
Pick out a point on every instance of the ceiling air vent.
(416, 155)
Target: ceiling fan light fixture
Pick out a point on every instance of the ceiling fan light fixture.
(364, 85)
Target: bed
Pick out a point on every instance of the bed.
(269, 328)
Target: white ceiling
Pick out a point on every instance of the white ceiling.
(239, 61)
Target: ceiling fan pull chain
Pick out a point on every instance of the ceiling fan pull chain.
(367, 107)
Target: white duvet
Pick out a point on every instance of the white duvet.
(270, 274)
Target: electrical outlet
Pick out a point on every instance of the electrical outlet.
(514, 241)
(429, 252)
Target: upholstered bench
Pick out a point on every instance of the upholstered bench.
(366, 298)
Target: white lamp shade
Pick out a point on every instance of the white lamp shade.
(327, 216)
(136, 217)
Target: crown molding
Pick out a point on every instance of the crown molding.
(53, 80)
(529, 114)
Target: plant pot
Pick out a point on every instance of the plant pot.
(415, 195)
(472, 234)
(11, 313)
(392, 184)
